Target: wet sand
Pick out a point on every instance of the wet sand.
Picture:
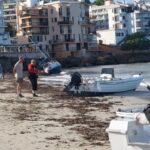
(56, 120)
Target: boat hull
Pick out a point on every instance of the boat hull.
(52, 68)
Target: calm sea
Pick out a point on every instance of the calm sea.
(121, 70)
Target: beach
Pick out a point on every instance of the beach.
(58, 121)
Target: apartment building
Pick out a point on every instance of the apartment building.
(113, 21)
(32, 26)
(141, 18)
(62, 30)
(68, 25)
(4, 37)
(10, 12)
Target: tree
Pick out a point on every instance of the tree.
(87, 1)
(11, 30)
(136, 41)
(98, 2)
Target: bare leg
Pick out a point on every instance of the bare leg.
(19, 88)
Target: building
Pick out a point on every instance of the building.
(113, 21)
(4, 37)
(141, 17)
(61, 27)
(10, 12)
(32, 26)
(68, 27)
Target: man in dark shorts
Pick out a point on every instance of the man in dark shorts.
(33, 76)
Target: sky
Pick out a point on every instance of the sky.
(127, 1)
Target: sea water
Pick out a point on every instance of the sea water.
(122, 70)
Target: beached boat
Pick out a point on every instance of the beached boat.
(50, 67)
(106, 83)
(131, 129)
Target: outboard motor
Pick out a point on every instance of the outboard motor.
(76, 80)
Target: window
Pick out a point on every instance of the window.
(60, 11)
(52, 28)
(56, 37)
(55, 19)
(120, 34)
(116, 18)
(52, 11)
(122, 9)
(67, 47)
(53, 37)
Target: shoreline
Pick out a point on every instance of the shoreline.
(107, 58)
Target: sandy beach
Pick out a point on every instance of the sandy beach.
(57, 121)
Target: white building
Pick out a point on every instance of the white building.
(115, 20)
(4, 37)
(10, 12)
(111, 22)
(141, 17)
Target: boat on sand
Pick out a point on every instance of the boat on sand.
(106, 83)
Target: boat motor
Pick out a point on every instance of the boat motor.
(76, 80)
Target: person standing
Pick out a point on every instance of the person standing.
(33, 76)
(1, 72)
(18, 73)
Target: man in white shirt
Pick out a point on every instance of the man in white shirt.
(18, 73)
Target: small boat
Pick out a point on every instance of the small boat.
(52, 67)
(49, 65)
(106, 83)
(130, 130)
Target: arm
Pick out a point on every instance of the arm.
(14, 70)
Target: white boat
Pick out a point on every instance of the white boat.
(106, 83)
(130, 130)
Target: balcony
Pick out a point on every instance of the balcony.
(63, 40)
(69, 31)
(29, 32)
(84, 22)
(69, 40)
(34, 15)
(62, 31)
(68, 13)
(34, 24)
(60, 13)
(65, 22)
